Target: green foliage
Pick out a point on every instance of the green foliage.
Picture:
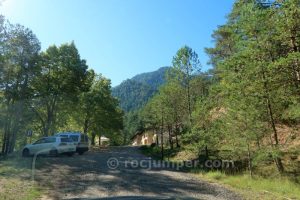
(49, 91)
(98, 112)
(18, 57)
(258, 70)
(257, 187)
(58, 84)
(134, 93)
(185, 65)
(153, 79)
(13, 186)
(133, 123)
(251, 91)
(153, 152)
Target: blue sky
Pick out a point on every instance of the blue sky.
(121, 38)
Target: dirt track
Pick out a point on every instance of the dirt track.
(89, 177)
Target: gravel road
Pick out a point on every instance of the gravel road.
(89, 177)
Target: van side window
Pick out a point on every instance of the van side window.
(50, 140)
(74, 138)
(41, 141)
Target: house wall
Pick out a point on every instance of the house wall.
(146, 138)
(104, 142)
(149, 137)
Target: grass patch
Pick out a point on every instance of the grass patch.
(15, 174)
(17, 189)
(270, 187)
(155, 152)
(257, 187)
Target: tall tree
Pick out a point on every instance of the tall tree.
(61, 79)
(19, 52)
(255, 57)
(186, 64)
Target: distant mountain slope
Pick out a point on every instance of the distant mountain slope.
(135, 92)
(153, 79)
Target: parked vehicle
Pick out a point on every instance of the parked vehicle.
(80, 140)
(50, 146)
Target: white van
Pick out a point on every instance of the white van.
(50, 146)
(80, 140)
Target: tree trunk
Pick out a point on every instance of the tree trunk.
(157, 142)
(93, 139)
(170, 136)
(4, 144)
(50, 121)
(296, 67)
(86, 125)
(258, 142)
(176, 136)
(249, 160)
(206, 152)
(13, 139)
(162, 145)
(189, 101)
(7, 130)
(124, 137)
(277, 159)
(18, 117)
(162, 137)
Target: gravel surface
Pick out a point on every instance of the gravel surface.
(89, 177)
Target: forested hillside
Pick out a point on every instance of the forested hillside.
(154, 79)
(135, 92)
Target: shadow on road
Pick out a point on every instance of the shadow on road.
(89, 177)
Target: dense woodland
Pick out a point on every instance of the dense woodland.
(134, 93)
(50, 91)
(245, 102)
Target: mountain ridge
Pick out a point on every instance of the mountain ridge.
(135, 92)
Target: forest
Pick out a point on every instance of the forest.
(45, 92)
(247, 104)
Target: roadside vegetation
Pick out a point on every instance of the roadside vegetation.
(255, 188)
(15, 179)
(247, 107)
(45, 92)
(267, 187)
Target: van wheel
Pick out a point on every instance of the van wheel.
(80, 152)
(53, 152)
(25, 153)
